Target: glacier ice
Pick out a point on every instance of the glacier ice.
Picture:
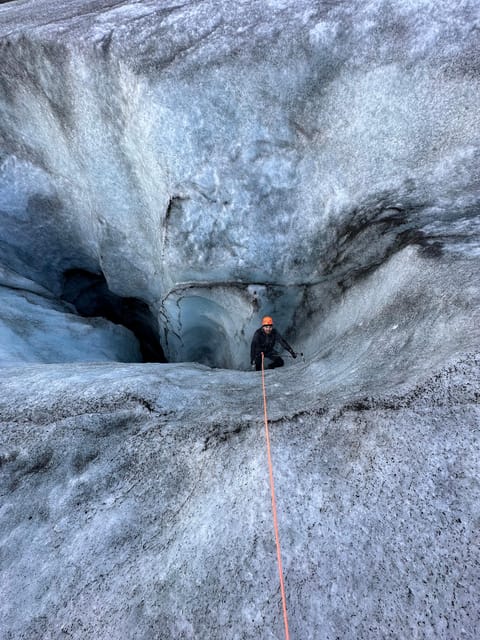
(232, 152)
(182, 169)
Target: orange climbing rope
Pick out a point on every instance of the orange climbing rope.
(274, 505)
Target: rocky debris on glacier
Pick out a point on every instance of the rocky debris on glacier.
(181, 169)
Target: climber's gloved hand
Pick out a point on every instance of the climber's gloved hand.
(294, 355)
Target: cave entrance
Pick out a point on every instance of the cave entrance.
(213, 323)
(89, 293)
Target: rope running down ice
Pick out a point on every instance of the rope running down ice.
(274, 505)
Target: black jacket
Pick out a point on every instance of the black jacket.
(266, 343)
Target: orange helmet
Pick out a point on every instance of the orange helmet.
(267, 321)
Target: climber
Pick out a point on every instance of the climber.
(264, 340)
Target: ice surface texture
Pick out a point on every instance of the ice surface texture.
(185, 168)
(135, 504)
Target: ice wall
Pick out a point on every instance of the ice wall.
(218, 162)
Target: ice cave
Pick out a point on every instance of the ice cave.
(170, 172)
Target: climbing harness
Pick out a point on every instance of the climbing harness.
(274, 505)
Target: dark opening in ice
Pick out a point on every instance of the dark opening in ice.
(91, 297)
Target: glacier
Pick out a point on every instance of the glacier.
(170, 173)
